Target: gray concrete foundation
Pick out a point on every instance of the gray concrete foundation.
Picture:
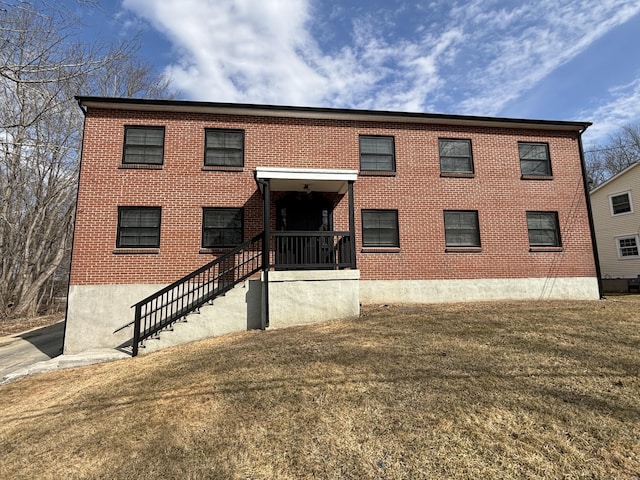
(295, 298)
(442, 291)
(309, 296)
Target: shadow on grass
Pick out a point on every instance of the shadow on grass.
(263, 368)
(426, 379)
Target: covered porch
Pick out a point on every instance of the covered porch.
(303, 202)
(302, 262)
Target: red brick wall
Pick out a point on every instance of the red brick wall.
(417, 191)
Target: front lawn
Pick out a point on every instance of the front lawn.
(484, 390)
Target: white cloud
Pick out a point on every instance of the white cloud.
(239, 50)
(473, 58)
(524, 45)
(621, 108)
(262, 52)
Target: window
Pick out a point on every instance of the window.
(380, 228)
(628, 246)
(143, 145)
(534, 159)
(620, 203)
(377, 154)
(224, 148)
(461, 228)
(222, 227)
(544, 230)
(455, 156)
(138, 227)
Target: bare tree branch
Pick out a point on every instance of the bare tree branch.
(42, 68)
(621, 151)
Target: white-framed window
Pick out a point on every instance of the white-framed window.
(628, 246)
(621, 203)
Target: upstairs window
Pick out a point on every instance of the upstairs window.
(143, 145)
(544, 229)
(534, 159)
(455, 156)
(461, 228)
(222, 227)
(620, 203)
(380, 228)
(138, 227)
(377, 154)
(224, 148)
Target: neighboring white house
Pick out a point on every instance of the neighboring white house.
(616, 217)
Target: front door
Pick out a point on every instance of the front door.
(303, 214)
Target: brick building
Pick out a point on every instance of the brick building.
(306, 213)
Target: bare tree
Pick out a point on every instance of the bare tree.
(621, 151)
(42, 67)
(130, 77)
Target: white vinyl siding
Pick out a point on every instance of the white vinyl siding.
(609, 227)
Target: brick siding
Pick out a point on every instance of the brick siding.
(181, 187)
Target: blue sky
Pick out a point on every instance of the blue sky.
(545, 59)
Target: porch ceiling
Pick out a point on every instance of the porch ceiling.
(306, 179)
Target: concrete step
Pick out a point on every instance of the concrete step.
(226, 314)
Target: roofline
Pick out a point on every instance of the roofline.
(619, 174)
(148, 105)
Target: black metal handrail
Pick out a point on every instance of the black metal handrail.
(290, 250)
(184, 296)
(312, 250)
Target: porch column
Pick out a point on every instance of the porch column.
(352, 225)
(266, 248)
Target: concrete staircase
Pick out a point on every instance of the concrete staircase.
(237, 310)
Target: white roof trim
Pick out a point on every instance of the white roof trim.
(315, 174)
(306, 179)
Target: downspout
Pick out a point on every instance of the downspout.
(594, 244)
(352, 226)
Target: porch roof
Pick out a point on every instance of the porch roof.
(306, 179)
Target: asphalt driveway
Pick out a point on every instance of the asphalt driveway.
(24, 349)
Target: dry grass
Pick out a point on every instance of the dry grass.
(496, 390)
(19, 325)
